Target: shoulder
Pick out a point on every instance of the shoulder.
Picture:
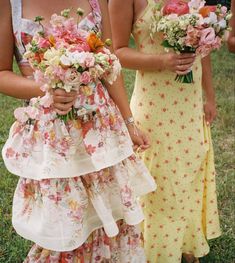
(5, 9)
(5, 14)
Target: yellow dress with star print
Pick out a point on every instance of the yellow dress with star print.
(182, 213)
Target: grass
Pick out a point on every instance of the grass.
(13, 248)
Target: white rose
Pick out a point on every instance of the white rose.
(65, 60)
(222, 23)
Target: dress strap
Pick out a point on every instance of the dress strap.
(95, 6)
(16, 10)
(96, 13)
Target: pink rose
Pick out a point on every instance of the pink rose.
(224, 10)
(85, 77)
(193, 36)
(57, 20)
(72, 78)
(82, 46)
(89, 60)
(178, 7)
(207, 36)
(208, 42)
(43, 43)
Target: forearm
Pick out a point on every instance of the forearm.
(133, 59)
(207, 79)
(231, 44)
(231, 37)
(118, 94)
(17, 86)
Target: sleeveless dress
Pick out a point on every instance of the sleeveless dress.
(182, 214)
(83, 201)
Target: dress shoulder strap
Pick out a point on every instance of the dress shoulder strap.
(16, 7)
(96, 13)
(95, 6)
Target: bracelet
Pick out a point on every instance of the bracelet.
(129, 121)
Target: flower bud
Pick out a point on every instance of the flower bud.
(80, 12)
(38, 19)
(65, 13)
(108, 42)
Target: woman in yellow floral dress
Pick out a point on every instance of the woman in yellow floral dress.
(182, 213)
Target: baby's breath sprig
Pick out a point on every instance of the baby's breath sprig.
(39, 19)
(80, 13)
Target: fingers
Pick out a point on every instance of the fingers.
(187, 55)
(142, 142)
(183, 63)
(208, 117)
(138, 141)
(210, 114)
(63, 93)
(62, 112)
(183, 72)
(186, 61)
(62, 99)
(63, 108)
(146, 141)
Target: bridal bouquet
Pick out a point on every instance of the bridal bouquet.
(67, 57)
(191, 27)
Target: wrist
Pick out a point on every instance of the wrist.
(129, 121)
(159, 62)
(210, 98)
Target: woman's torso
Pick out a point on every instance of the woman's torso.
(24, 26)
(171, 112)
(96, 139)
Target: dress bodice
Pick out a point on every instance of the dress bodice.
(24, 29)
(141, 31)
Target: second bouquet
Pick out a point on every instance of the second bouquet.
(191, 27)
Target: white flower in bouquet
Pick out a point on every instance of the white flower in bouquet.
(222, 24)
(52, 56)
(211, 19)
(195, 5)
(116, 69)
(102, 59)
(71, 79)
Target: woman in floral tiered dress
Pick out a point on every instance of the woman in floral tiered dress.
(81, 205)
(182, 213)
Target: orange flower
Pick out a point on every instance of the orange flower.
(94, 42)
(52, 40)
(205, 10)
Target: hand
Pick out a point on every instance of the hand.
(139, 138)
(179, 63)
(210, 111)
(63, 101)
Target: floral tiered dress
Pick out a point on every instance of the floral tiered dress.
(77, 196)
(182, 213)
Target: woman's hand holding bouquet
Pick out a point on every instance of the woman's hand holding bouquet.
(190, 27)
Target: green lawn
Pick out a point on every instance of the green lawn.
(13, 248)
